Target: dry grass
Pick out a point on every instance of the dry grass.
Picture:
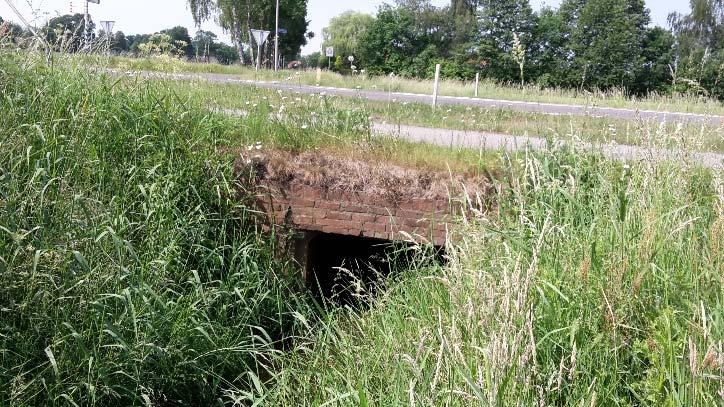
(330, 172)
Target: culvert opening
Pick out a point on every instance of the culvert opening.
(350, 270)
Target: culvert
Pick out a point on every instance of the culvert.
(345, 213)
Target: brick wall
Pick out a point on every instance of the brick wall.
(357, 214)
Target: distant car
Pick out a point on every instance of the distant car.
(294, 65)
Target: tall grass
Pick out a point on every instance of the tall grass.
(131, 272)
(594, 283)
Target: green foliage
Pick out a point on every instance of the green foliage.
(607, 42)
(131, 272)
(594, 283)
(345, 32)
(119, 43)
(498, 21)
(162, 44)
(66, 32)
(238, 17)
(180, 36)
(584, 44)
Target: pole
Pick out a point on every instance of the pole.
(258, 55)
(276, 41)
(477, 81)
(437, 80)
(86, 32)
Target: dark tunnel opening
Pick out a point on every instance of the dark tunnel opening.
(350, 270)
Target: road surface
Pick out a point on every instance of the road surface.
(375, 95)
(495, 141)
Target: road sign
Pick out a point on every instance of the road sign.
(107, 26)
(329, 52)
(260, 36)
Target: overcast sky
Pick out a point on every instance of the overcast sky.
(147, 16)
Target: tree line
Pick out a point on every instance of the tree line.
(65, 33)
(239, 17)
(585, 44)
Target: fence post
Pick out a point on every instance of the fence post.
(477, 81)
(437, 80)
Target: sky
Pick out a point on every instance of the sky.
(147, 16)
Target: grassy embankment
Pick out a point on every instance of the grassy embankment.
(487, 89)
(595, 284)
(131, 271)
(131, 274)
(597, 130)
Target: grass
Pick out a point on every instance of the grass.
(487, 89)
(132, 273)
(599, 130)
(593, 284)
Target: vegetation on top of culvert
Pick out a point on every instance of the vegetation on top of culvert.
(330, 172)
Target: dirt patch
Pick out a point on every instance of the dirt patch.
(328, 172)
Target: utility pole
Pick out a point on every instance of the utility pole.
(86, 31)
(87, 34)
(276, 41)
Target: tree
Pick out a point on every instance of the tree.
(549, 48)
(700, 47)
(119, 43)
(657, 56)
(202, 44)
(10, 29)
(66, 32)
(345, 32)
(178, 36)
(390, 43)
(703, 27)
(239, 16)
(498, 20)
(162, 44)
(606, 42)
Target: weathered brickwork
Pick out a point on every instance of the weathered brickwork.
(357, 214)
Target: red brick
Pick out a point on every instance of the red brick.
(353, 207)
(410, 214)
(379, 210)
(339, 215)
(334, 223)
(335, 229)
(301, 202)
(325, 204)
(381, 235)
(364, 217)
(311, 193)
(374, 227)
(413, 222)
(303, 220)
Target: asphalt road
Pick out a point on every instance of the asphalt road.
(531, 107)
(495, 141)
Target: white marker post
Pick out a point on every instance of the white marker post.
(437, 80)
(477, 81)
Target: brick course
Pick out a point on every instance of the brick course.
(356, 214)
